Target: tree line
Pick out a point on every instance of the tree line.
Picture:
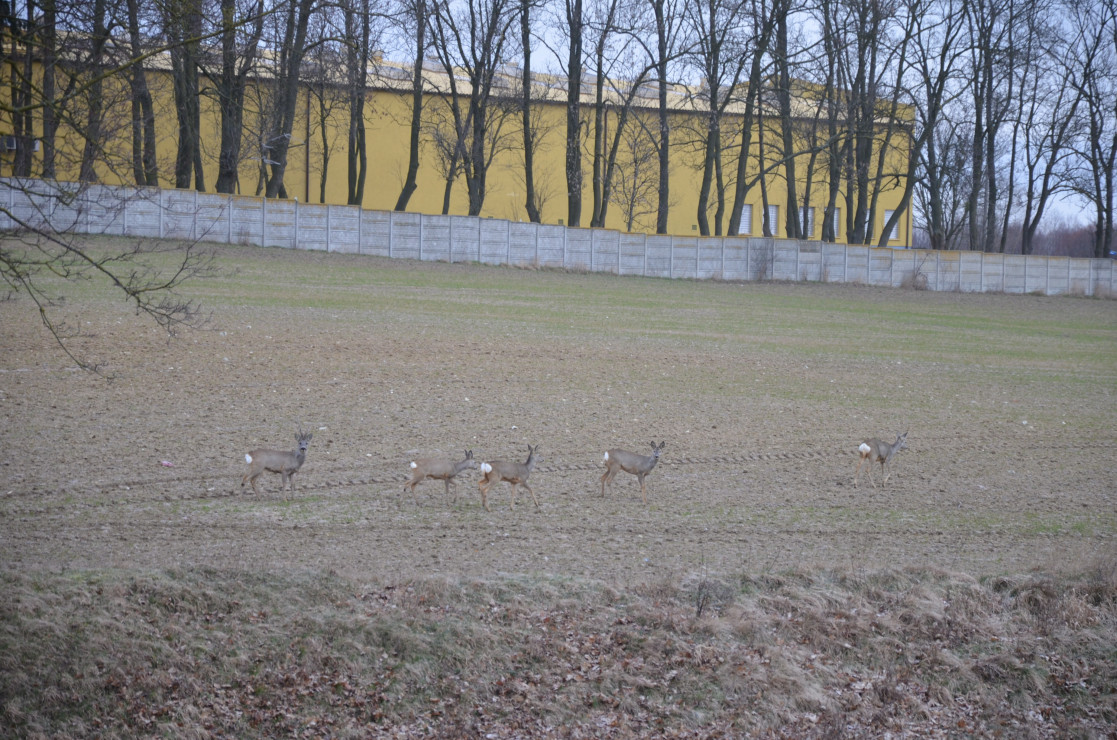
(984, 113)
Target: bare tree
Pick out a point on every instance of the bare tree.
(1045, 115)
(637, 191)
(763, 16)
(668, 46)
(1094, 25)
(531, 203)
(239, 29)
(182, 24)
(575, 59)
(616, 82)
(357, 20)
(145, 168)
(935, 28)
(326, 79)
(720, 54)
(473, 39)
(990, 24)
(415, 18)
(295, 16)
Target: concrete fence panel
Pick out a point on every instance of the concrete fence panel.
(437, 243)
(552, 245)
(632, 254)
(684, 257)
(711, 258)
(903, 268)
(281, 225)
(376, 233)
(494, 241)
(523, 243)
(605, 251)
(179, 214)
(465, 239)
(809, 267)
(143, 216)
(1015, 272)
(212, 218)
(659, 257)
(406, 235)
(992, 273)
(578, 249)
(343, 229)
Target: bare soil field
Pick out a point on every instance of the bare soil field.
(761, 392)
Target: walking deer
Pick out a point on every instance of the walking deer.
(439, 468)
(276, 461)
(874, 450)
(630, 462)
(513, 473)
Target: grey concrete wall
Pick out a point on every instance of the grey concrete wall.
(186, 214)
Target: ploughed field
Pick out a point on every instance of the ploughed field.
(758, 593)
(761, 393)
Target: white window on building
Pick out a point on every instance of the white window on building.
(895, 235)
(746, 218)
(837, 223)
(774, 219)
(808, 232)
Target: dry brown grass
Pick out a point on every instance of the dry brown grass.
(208, 653)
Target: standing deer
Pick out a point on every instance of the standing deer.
(513, 473)
(630, 462)
(439, 468)
(875, 450)
(275, 461)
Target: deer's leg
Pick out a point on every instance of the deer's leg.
(484, 493)
(525, 485)
(607, 478)
(643, 490)
(858, 473)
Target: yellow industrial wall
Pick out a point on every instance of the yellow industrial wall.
(388, 119)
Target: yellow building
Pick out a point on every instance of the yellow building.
(319, 142)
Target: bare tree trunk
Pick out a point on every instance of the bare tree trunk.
(184, 23)
(287, 88)
(764, 26)
(92, 149)
(357, 55)
(410, 183)
(525, 104)
(236, 65)
(662, 32)
(144, 164)
(783, 101)
(49, 38)
(575, 56)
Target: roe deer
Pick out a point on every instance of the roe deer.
(630, 462)
(439, 468)
(275, 461)
(514, 473)
(875, 450)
